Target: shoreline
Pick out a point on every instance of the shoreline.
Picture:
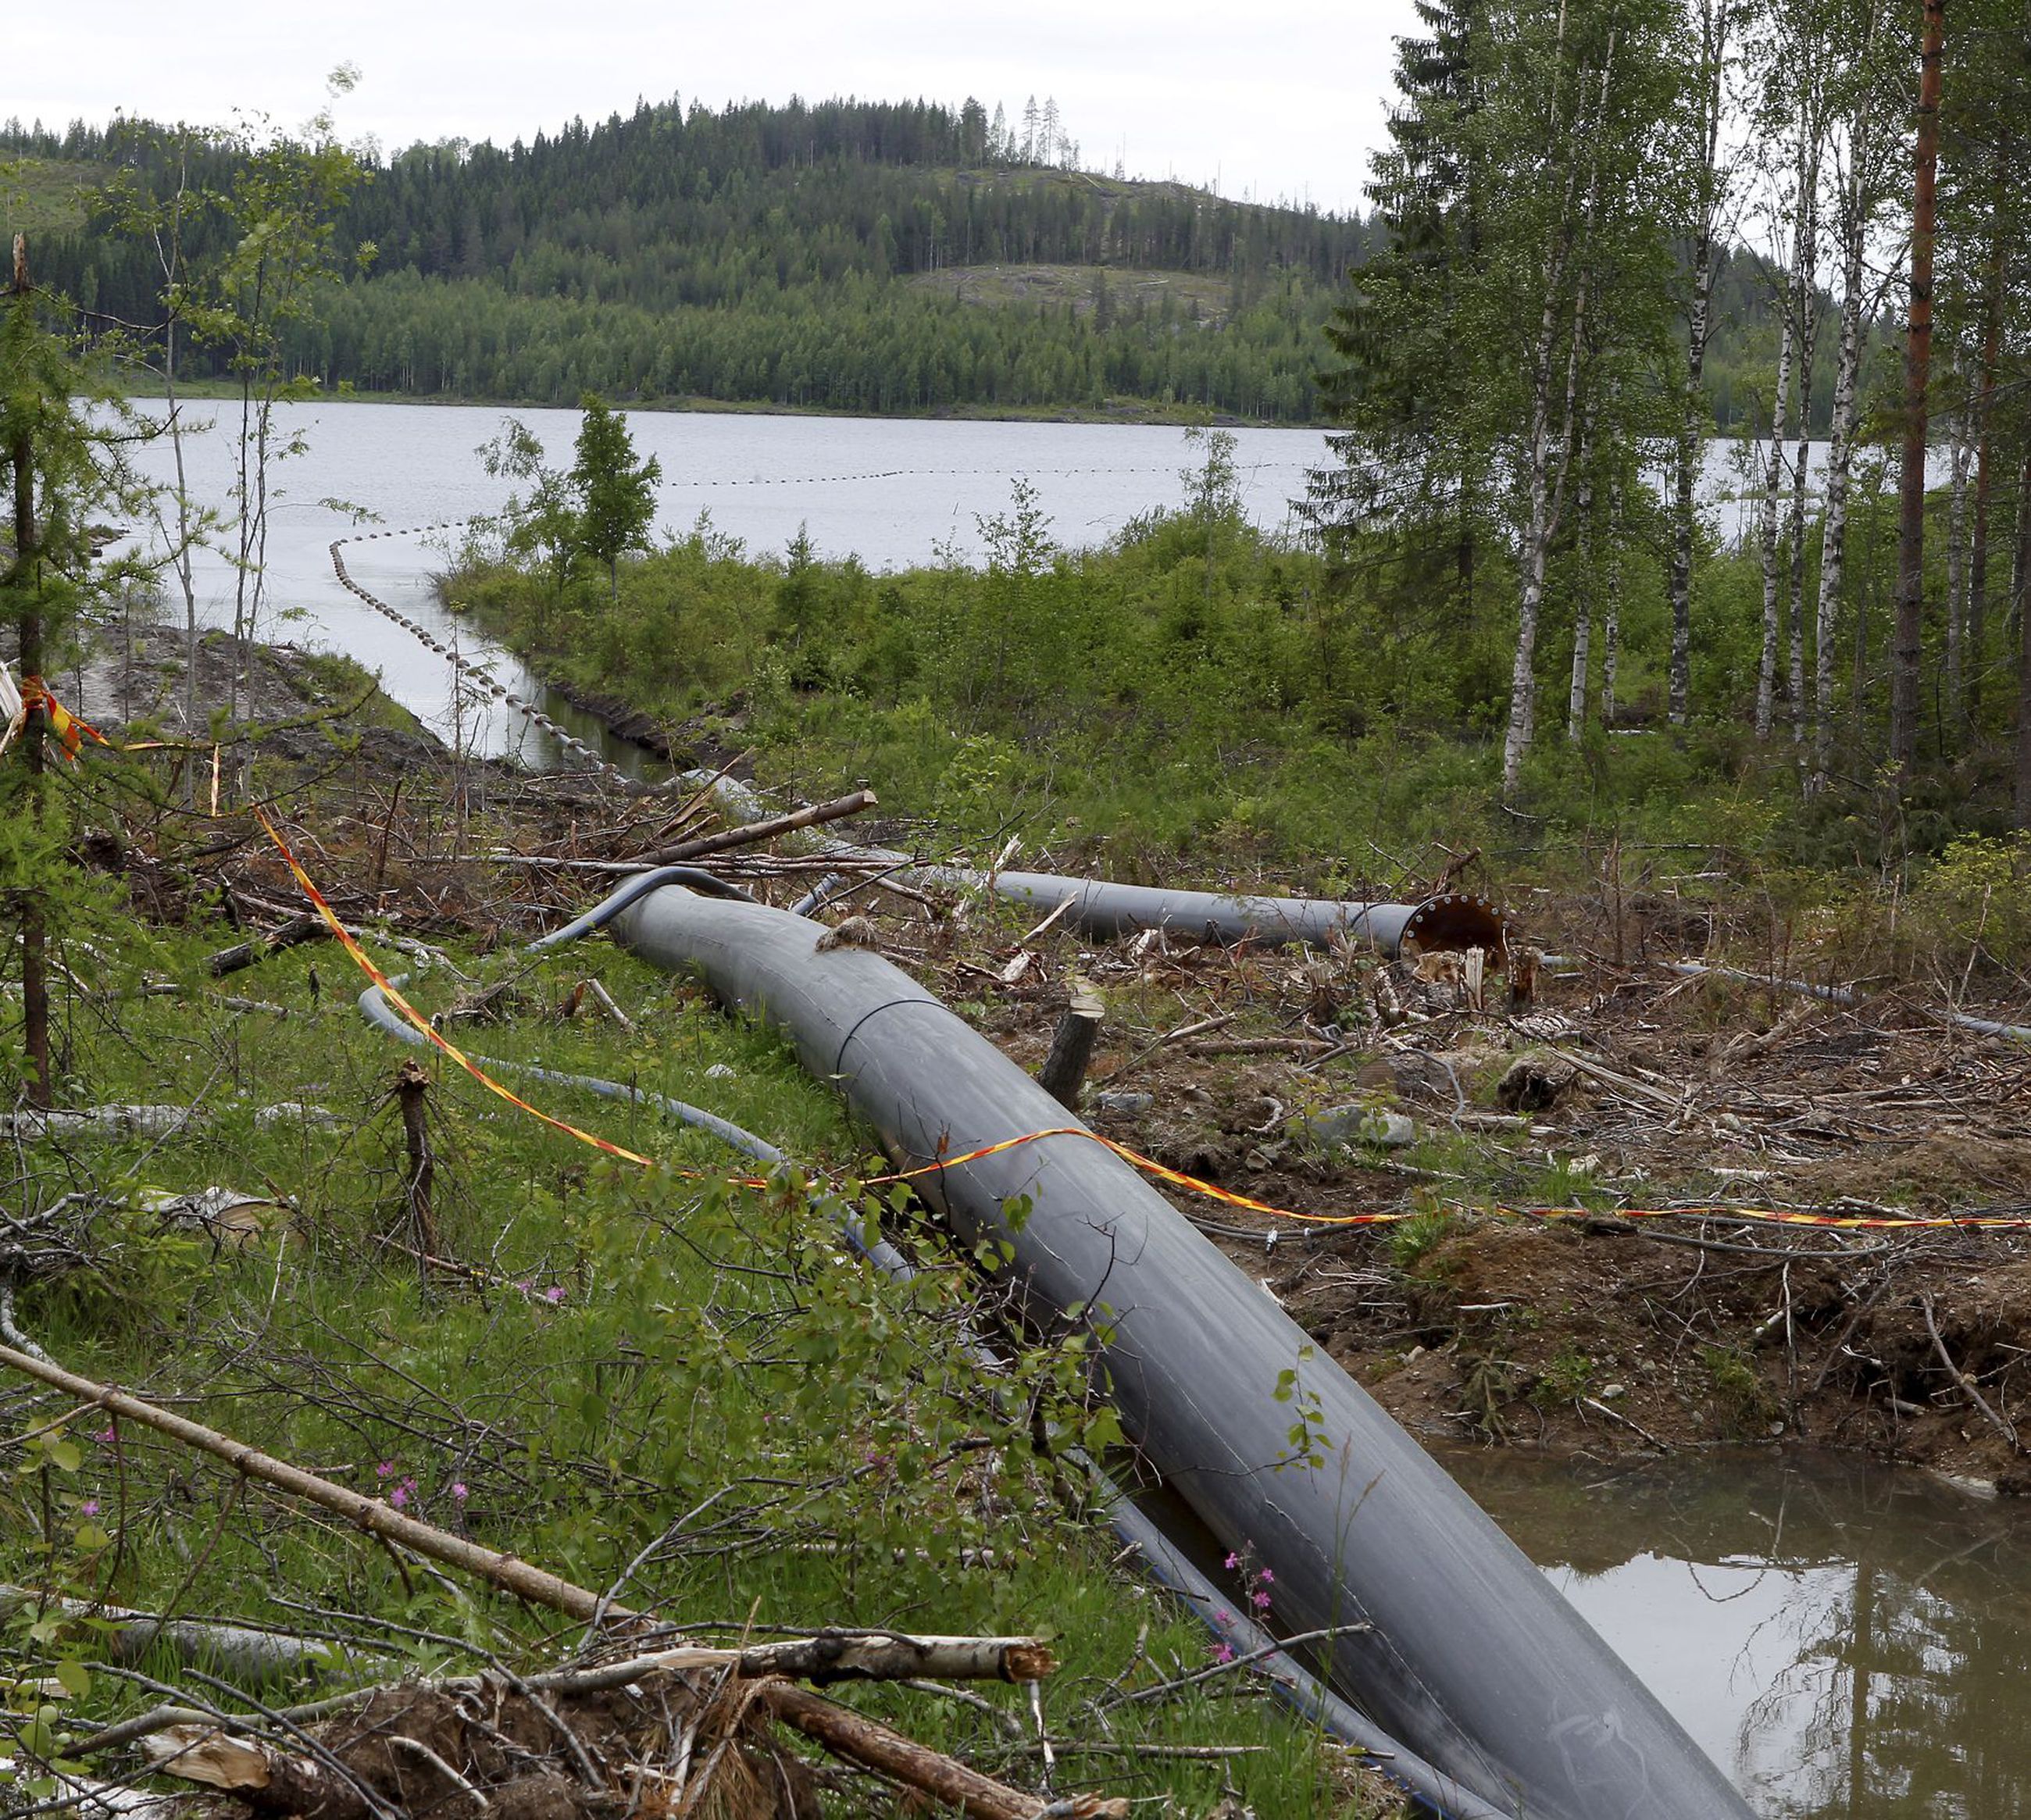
(1137, 416)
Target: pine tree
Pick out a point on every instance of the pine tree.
(1398, 389)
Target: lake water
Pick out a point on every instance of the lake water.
(1843, 1639)
(892, 491)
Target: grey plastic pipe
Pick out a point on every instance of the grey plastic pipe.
(1166, 1564)
(1101, 910)
(1170, 1567)
(1470, 1655)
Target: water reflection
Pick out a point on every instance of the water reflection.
(1844, 1639)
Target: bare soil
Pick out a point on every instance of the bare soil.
(1622, 1326)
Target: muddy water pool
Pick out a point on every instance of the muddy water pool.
(1844, 1639)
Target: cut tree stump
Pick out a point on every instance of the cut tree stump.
(1064, 1071)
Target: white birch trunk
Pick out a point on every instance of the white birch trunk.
(1715, 20)
(1576, 696)
(1794, 533)
(1962, 455)
(1805, 294)
(1766, 670)
(1544, 505)
(1857, 206)
(1840, 461)
(1611, 623)
(1536, 536)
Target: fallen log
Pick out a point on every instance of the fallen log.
(848, 1734)
(297, 930)
(831, 1655)
(240, 1650)
(268, 1780)
(753, 831)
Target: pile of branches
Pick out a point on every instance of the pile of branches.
(638, 1719)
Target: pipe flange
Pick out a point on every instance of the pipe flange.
(1457, 919)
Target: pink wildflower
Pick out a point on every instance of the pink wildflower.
(1233, 1561)
(1260, 1600)
(1223, 1616)
(554, 1294)
(1223, 1653)
(384, 1470)
(1266, 1577)
(459, 1493)
(89, 1507)
(399, 1496)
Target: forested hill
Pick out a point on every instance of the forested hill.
(857, 255)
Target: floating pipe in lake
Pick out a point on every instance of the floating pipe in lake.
(1470, 1655)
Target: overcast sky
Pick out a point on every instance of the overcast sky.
(1282, 98)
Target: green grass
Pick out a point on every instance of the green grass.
(630, 1346)
(45, 196)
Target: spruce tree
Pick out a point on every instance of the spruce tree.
(60, 452)
(1398, 388)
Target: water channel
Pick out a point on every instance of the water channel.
(1844, 1640)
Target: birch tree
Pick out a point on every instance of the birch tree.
(1697, 127)
(1586, 219)
(1985, 252)
(1859, 151)
(284, 207)
(1527, 167)
(1791, 118)
(1905, 647)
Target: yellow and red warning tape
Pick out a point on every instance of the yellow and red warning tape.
(71, 730)
(1149, 1165)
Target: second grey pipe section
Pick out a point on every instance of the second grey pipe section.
(1101, 910)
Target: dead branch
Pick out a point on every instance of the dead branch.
(754, 832)
(372, 1515)
(2006, 1430)
(297, 930)
(846, 1734)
